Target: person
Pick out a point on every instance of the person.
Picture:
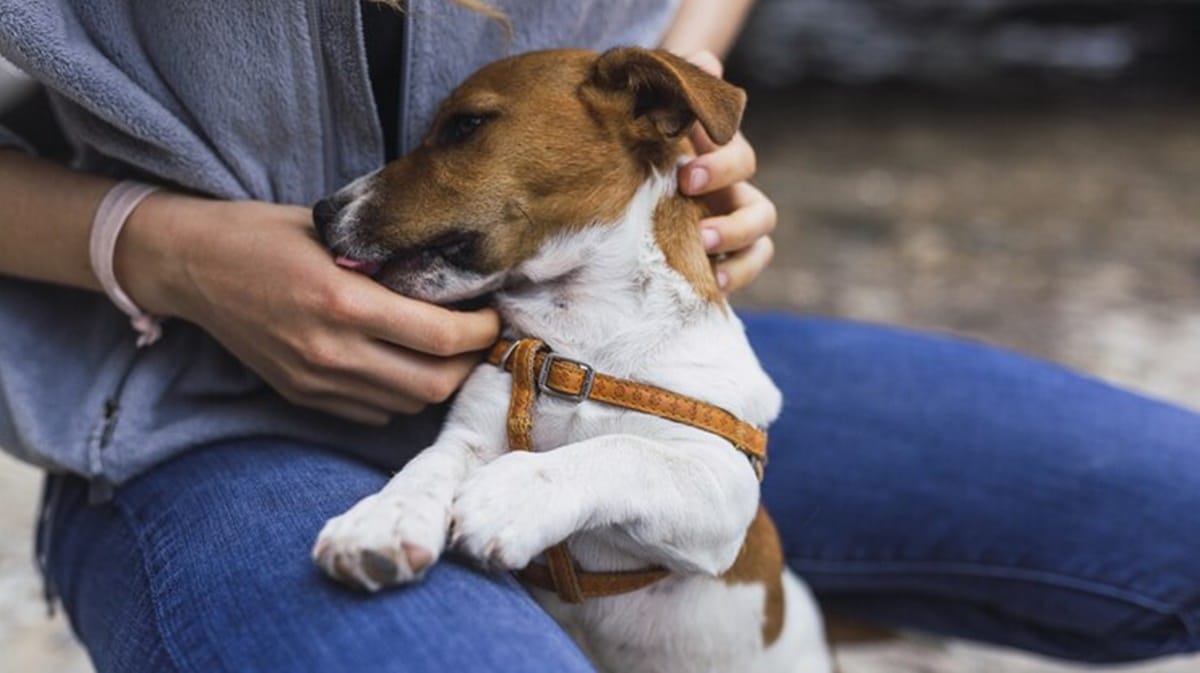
(916, 480)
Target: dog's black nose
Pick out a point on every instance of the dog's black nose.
(324, 213)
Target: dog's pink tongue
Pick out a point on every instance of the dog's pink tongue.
(363, 267)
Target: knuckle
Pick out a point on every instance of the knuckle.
(439, 387)
(751, 166)
(772, 215)
(336, 302)
(744, 233)
(322, 355)
(443, 339)
(768, 245)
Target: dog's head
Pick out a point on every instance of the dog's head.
(527, 148)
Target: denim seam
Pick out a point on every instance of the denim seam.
(964, 568)
(128, 519)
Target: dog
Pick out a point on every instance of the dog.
(548, 183)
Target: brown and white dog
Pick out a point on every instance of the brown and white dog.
(548, 182)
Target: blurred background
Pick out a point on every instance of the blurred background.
(1022, 172)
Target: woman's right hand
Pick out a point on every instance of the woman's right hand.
(253, 275)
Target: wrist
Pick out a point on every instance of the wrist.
(151, 256)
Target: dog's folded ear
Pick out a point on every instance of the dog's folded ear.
(666, 94)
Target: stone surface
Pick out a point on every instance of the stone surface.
(1064, 229)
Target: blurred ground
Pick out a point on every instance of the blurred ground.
(1066, 229)
(1063, 229)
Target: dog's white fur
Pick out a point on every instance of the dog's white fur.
(629, 489)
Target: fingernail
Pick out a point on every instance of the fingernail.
(711, 238)
(722, 280)
(697, 180)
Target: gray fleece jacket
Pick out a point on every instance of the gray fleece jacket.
(237, 100)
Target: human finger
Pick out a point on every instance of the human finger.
(738, 270)
(719, 167)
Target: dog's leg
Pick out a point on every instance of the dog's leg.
(685, 504)
(392, 536)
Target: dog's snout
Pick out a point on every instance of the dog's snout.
(324, 213)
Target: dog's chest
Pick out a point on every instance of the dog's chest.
(557, 422)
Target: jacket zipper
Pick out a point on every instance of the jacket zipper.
(327, 146)
(100, 487)
(405, 74)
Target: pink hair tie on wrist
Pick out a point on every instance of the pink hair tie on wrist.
(110, 218)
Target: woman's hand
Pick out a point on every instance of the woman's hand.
(253, 275)
(739, 232)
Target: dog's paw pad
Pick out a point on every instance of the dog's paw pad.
(382, 542)
(419, 558)
(378, 567)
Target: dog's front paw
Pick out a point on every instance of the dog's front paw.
(511, 510)
(386, 539)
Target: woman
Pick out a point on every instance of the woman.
(918, 481)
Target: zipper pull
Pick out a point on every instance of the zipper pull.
(111, 407)
(100, 489)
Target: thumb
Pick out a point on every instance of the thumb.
(708, 62)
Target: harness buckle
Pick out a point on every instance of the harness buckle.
(543, 378)
(503, 364)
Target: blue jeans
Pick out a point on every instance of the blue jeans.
(916, 481)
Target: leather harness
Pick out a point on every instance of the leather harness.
(536, 369)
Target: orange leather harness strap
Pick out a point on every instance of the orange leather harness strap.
(589, 584)
(560, 575)
(535, 369)
(576, 381)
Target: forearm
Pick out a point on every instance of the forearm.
(706, 25)
(45, 231)
(46, 220)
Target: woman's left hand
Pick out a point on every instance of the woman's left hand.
(743, 217)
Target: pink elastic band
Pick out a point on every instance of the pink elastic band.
(110, 218)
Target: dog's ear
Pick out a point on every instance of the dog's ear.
(666, 95)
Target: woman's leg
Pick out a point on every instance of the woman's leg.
(202, 565)
(943, 485)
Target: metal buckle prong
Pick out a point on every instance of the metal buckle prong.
(589, 377)
(508, 353)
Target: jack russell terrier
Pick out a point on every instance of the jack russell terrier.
(610, 450)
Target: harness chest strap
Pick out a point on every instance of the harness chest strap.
(535, 369)
(576, 381)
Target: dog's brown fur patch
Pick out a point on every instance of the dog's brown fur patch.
(675, 230)
(761, 561)
(541, 165)
(566, 139)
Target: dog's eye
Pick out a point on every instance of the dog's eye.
(459, 127)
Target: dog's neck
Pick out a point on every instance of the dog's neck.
(610, 284)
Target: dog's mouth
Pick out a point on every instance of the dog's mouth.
(458, 249)
(444, 270)
(364, 266)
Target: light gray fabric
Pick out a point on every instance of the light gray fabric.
(234, 99)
